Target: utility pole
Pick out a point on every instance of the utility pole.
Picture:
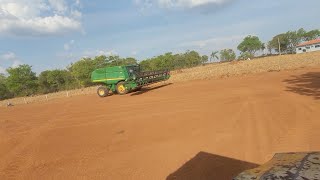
(279, 46)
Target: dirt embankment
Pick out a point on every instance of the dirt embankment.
(242, 68)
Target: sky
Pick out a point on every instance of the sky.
(51, 34)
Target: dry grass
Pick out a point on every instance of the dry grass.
(240, 68)
(48, 97)
(211, 71)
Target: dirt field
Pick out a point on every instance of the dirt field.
(208, 129)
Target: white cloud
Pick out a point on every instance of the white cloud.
(181, 3)
(38, 17)
(77, 2)
(107, 52)
(134, 53)
(9, 58)
(76, 14)
(220, 43)
(23, 8)
(67, 46)
(189, 3)
(2, 70)
(16, 63)
(92, 53)
(59, 6)
(206, 46)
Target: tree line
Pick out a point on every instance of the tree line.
(283, 43)
(22, 81)
(174, 61)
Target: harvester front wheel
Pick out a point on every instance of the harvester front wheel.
(121, 89)
(103, 91)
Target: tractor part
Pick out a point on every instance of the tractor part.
(102, 91)
(121, 88)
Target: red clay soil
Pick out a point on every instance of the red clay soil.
(209, 129)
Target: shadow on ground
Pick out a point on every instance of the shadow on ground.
(306, 84)
(206, 166)
(147, 89)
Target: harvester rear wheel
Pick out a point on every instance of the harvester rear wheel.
(121, 89)
(103, 91)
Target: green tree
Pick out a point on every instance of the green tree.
(145, 65)
(283, 40)
(204, 59)
(311, 35)
(173, 61)
(301, 33)
(115, 61)
(293, 39)
(118, 61)
(22, 80)
(55, 80)
(165, 61)
(179, 61)
(129, 61)
(81, 71)
(250, 44)
(227, 55)
(2, 78)
(4, 91)
(44, 86)
(101, 61)
(214, 55)
(269, 47)
(192, 58)
(263, 47)
(245, 56)
(289, 40)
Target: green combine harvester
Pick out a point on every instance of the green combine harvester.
(123, 79)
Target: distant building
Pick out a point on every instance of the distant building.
(308, 46)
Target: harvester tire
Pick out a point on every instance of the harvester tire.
(121, 89)
(102, 91)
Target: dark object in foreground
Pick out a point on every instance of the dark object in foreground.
(207, 166)
(293, 166)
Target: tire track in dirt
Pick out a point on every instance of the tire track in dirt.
(12, 164)
(300, 129)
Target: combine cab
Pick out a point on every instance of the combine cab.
(123, 79)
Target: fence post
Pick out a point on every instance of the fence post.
(67, 93)
(46, 97)
(25, 101)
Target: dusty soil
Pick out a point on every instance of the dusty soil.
(208, 129)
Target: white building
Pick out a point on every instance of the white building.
(308, 46)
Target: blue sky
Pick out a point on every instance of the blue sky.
(49, 34)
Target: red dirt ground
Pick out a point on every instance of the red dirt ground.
(209, 129)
